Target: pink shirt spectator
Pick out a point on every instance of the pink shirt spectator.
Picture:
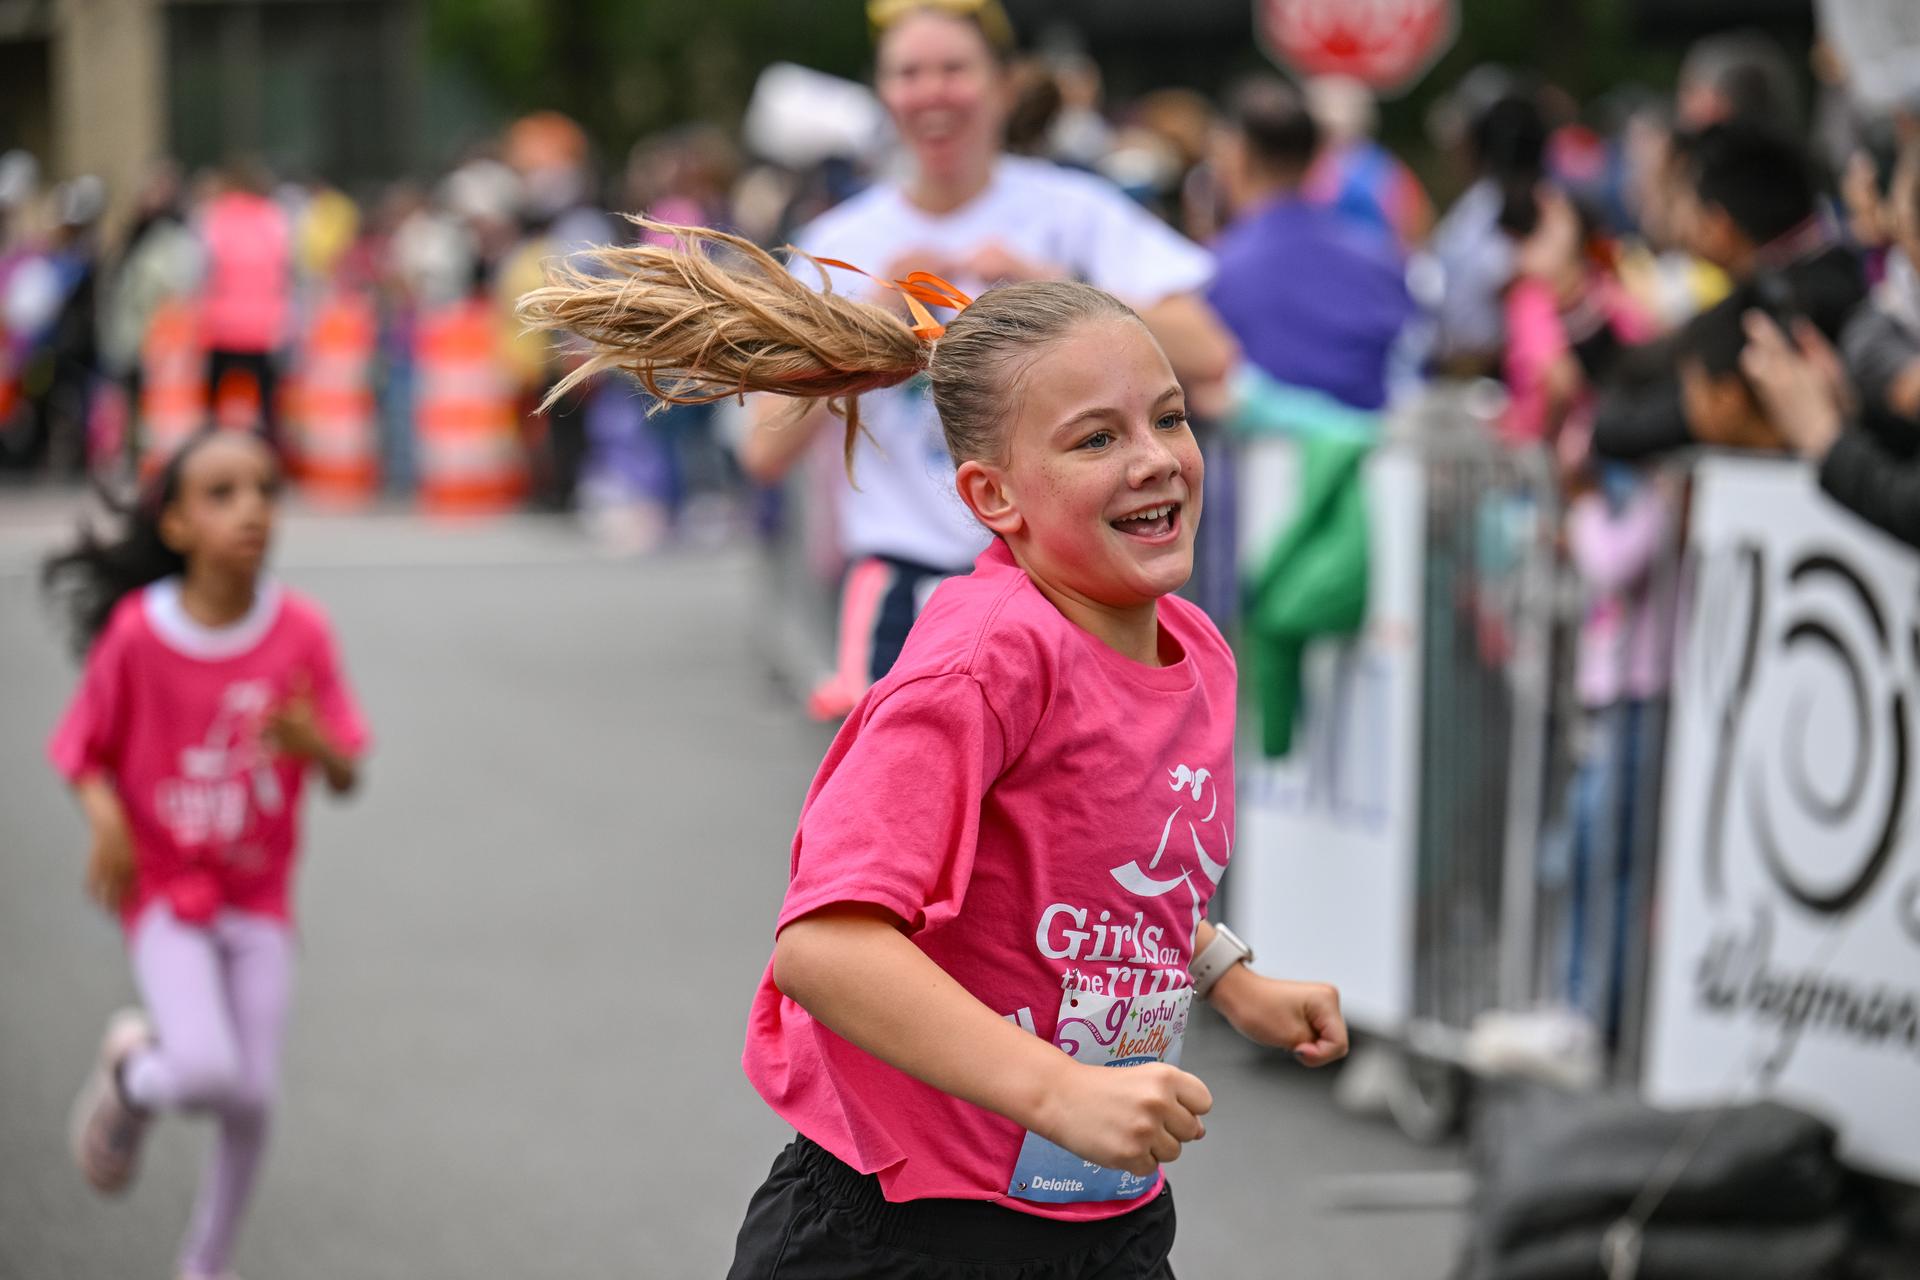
(1627, 634)
(249, 286)
(1537, 340)
(1039, 810)
(172, 711)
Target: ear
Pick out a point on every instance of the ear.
(173, 530)
(983, 487)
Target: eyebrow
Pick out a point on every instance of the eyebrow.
(1066, 425)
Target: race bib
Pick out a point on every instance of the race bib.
(1103, 1031)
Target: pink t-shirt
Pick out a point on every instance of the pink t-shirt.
(172, 712)
(1537, 339)
(249, 286)
(1040, 811)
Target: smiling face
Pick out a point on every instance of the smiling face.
(222, 513)
(945, 90)
(1098, 488)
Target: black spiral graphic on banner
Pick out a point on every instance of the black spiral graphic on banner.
(1909, 905)
(1876, 725)
(1718, 612)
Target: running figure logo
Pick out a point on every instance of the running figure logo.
(227, 777)
(1141, 881)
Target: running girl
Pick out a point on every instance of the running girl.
(209, 693)
(1001, 875)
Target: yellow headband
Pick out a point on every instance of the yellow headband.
(993, 21)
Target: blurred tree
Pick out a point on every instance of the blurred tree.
(624, 69)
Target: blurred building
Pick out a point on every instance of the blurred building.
(309, 86)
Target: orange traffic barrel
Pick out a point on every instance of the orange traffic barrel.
(237, 404)
(336, 435)
(470, 456)
(173, 381)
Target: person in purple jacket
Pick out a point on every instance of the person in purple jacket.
(1313, 301)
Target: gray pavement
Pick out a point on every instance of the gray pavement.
(528, 948)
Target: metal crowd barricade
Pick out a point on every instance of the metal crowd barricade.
(1489, 753)
(1456, 708)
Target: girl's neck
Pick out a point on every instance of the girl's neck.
(1132, 631)
(941, 194)
(216, 599)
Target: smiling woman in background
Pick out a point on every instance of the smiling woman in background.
(979, 217)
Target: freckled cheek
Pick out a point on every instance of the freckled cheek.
(1193, 470)
(1074, 506)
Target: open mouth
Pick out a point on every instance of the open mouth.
(936, 126)
(1153, 524)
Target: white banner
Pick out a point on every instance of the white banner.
(1322, 883)
(1788, 939)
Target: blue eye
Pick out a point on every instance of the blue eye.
(1098, 440)
(1169, 422)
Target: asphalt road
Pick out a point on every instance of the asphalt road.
(528, 948)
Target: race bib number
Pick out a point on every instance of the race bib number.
(1103, 1031)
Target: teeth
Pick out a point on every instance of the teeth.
(1151, 513)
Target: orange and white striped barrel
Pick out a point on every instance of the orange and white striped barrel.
(466, 420)
(173, 381)
(237, 402)
(337, 438)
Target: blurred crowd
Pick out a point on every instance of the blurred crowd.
(250, 262)
(1601, 260)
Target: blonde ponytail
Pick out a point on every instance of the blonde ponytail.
(696, 326)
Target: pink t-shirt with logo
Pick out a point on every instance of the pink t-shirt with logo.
(173, 712)
(1040, 811)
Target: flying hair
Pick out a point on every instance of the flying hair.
(707, 315)
(712, 316)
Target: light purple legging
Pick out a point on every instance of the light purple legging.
(217, 996)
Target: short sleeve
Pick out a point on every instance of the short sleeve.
(895, 819)
(87, 740)
(333, 699)
(1135, 256)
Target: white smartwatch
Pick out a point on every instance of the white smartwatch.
(1225, 951)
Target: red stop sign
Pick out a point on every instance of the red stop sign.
(1388, 44)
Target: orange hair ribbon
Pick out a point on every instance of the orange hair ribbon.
(919, 287)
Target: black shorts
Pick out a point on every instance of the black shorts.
(817, 1219)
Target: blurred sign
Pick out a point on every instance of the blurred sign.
(1788, 946)
(1879, 40)
(1387, 44)
(799, 117)
(1323, 869)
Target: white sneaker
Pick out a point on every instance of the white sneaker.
(105, 1130)
(1557, 1046)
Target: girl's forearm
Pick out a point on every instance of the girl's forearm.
(777, 437)
(852, 968)
(1198, 346)
(99, 801)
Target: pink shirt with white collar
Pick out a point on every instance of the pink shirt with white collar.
(172, 712)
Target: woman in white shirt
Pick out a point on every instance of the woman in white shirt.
(978, 217)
